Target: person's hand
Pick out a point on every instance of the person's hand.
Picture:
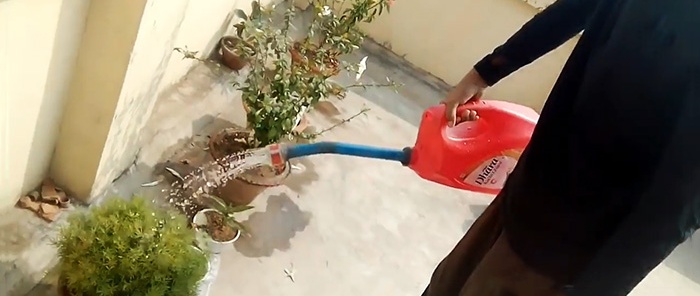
(471, 87)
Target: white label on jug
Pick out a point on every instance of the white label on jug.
(492, 173)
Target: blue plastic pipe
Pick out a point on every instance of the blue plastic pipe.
(300, 150)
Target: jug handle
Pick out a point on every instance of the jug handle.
(482, 108)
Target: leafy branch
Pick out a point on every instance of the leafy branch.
(286, 77)
(192, 55)
(188, 54)
(391, 84)
(312, 136)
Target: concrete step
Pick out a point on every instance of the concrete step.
(27, 252)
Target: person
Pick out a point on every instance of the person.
(609, 184)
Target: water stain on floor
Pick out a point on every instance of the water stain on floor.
(274, 228)
(299, 181)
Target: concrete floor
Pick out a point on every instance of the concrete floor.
(344, 226)
(370, 227)
(348, 226)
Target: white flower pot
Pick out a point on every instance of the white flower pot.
(216, 247)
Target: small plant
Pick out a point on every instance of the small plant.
(273, 92)
(286, 77)
(219, 224)
(129, 248)
(248, 40)
(282, 83)
(334, 34)
(229, 212)
(340, 32)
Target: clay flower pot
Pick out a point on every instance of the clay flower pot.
(219, 234)
(243, 189)
(230, 58)
(227, 142)
(239, 192)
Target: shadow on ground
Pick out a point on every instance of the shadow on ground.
(48, 285)
(184, 156)
(274, 228)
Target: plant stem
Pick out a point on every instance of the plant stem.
(193, 55)
(186, 54)
(344, 121)
(371, 85)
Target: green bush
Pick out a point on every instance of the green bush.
(129, 248)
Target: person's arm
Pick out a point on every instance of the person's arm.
(546, 31)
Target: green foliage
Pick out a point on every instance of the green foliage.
(249, 39)
(333, 34)
(279, 88)
(229, 211)
(289, 77)
(274, 91)
(129, 248)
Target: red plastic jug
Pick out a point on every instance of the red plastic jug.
(474, 155)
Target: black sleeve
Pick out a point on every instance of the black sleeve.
(668, 212)
(546, 31)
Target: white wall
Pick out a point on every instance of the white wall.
(154, 66)
(540, 4)
(39, 41)
(447, 37)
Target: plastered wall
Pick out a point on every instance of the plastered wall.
(111, 99)
(447, 37)
(38, 49)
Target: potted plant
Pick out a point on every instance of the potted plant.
(270, 95)
(219, 224)
(286, 79)
(332, 35)
(230, 56)
(129, 247)
(237, 50)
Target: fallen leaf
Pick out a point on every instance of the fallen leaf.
(151, 184)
